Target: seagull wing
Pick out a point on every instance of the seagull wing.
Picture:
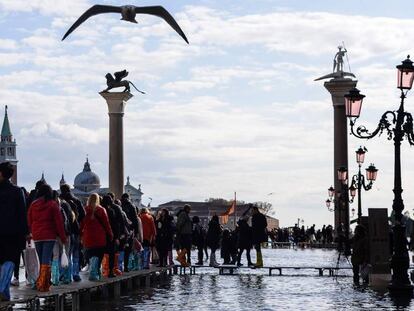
(164, 14)
(95, 10)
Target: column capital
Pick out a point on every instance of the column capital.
(338, 87)
(116, 101)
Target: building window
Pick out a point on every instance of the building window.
(2, 151)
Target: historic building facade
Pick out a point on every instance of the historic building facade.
(88, 182)
(205, 210)
(8, 146)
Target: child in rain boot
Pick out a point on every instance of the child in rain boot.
(6, 273)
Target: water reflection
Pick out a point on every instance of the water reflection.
(254, 290)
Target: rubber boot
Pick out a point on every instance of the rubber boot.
(75, 269)
(94, 274)
(131, 262)
(181, 258)
(105, 265)
(147, 255)
(67, 274)
(6, 273)
(259, 260)
(55, 272)
(170, 258)
(121, 261)
(116, 269)
(43, 282)
(140, 260)
(213, 262)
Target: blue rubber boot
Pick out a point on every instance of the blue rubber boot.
(6, 273)
(139, 260)
(131, 262)
(67, 274)
(121, 261)
(147, 254)
(94, 268)
(76, 269)
(55, 272)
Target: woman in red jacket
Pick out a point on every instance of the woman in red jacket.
(95, 229)
(46, 224)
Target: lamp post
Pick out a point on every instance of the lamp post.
(340, 197)
(358, 180)
(397, 125)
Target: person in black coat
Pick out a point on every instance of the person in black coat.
(79, 213)
(244, 241)
(13, 227)
(199, 237)
(259, 234)
(117, 225)
(213, 238)
(133, 226)
(164, 237)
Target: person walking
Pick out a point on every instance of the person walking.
(164, 237)
(95, 230)
(46, 224)
(108, 262)
(13, 227)
(184, 234)
(198, 239)
(259, 234)
(244, 241)
(134, 226)
(360, 253)
(149, 234)
(213, 238)
(78, 213)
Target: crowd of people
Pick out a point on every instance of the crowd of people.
(297, 234)
(107, 236)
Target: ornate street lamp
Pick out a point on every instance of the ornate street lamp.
(397, 125)
(342, 174)
(358, 180)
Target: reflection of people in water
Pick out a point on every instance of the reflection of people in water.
(339, 60)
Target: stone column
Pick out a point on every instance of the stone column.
(116, 104)
(338, 87)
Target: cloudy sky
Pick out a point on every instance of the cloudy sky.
(236, 110)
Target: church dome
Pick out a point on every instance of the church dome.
(87, 180)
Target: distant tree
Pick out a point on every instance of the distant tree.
(266, 207)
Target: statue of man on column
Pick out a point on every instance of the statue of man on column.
(339, 60)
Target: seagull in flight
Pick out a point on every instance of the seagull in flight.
(128, 13)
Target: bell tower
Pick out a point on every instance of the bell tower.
(8, 146)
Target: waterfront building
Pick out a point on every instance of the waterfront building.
(205, 210)
(88, 182)
(8, 146)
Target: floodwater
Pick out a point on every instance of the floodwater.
(255, 290)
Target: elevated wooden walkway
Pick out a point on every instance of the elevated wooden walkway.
(232, 269)
(84, 291)
(299, 245)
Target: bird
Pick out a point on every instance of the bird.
(128, 13)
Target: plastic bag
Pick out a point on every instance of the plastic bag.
(32, 264)
(64, 262)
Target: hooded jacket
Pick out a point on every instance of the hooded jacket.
(148, 227)
(45, 221)
(95, 228)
